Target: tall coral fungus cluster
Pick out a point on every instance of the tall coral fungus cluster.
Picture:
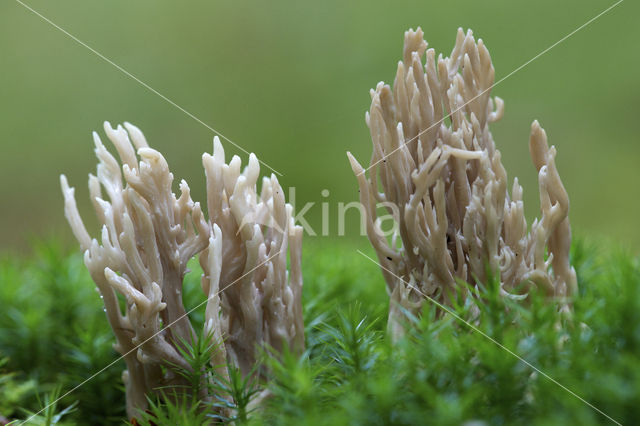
(436, 169)
(148, 236)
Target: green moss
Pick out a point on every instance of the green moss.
(53, 330)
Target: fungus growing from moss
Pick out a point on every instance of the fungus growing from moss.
(148, 236)
(435, 162)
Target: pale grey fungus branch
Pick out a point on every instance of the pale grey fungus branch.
(435, 161)
(148, 236)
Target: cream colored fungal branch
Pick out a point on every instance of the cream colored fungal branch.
(149, 234)
(436, 169)
(254, 230)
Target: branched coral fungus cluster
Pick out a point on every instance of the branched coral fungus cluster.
(434, 167)
(148, 236)
(437, 170)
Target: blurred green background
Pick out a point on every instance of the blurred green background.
(289, 80)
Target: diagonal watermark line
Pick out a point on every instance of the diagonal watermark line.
(85, 381)
(437, 123)
(500, 345)
(142, 83)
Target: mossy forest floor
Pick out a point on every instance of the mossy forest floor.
(53, 335)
